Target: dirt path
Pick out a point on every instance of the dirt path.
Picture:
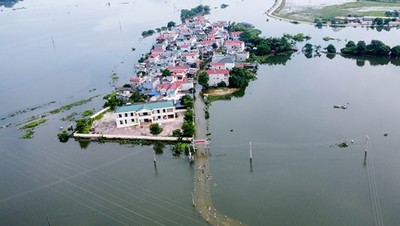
(203, 177)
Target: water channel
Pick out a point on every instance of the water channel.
(298, 176)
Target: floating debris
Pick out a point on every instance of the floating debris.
(385, 135)
(340, 106)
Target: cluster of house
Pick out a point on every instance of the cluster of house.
(180, 51)
(366, 20)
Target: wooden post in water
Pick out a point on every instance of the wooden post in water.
(154, 157)
(48, 221)
(250, 151)
(251, 156)
(366, 149)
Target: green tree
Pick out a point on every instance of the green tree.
(188, 117)
(395, 51)
(136, 97)
(166, 73)
(83, 125)
(203, 79)
(350, 44)
(188, 129)
(171, 24)
(308, 48)
(155, 129)
(63, 136)
(361, 48)
(331, 48)
(378, 48)
(177, 133)
(112, 101)
(379, 21)
(221, 84)
(187, 101)
(239, 77)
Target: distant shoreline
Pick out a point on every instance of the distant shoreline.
(340, 10)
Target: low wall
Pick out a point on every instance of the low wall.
(130, 137)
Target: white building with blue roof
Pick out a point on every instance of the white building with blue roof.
(136, 114)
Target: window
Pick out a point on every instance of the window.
(163, 110)
(126, 114)
(121, 122)
(131, 114)
(126, 121)
(133, 120)
(120, 115)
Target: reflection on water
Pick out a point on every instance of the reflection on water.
(9, 3)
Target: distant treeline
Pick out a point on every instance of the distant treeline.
(197, 11)
(375, 48)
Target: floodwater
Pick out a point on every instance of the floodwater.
(59, 51)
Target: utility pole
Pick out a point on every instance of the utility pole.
(366, 149)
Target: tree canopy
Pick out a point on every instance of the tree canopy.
(187, 101)
(331, 48)
(155, 129)
(203, 79)
(375, 48)
(240, 77)
(188, 129)
(197, 11)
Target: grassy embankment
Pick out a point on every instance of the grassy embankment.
(359, 8)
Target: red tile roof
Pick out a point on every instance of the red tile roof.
(236, 32)
(218, 64)
(217, 72)
(206, 43)
(173, 68)
(233, 43)
(135, 79)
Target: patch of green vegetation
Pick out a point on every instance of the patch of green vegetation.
(70, 117)
(99, 116)
(179, 147)
(326, 38)
(147, 33)
(114, 77)
(28, 134)
(33, 124)
(84, 125)
(343, 145)
(87, 113)
(69, 106)
(300, 37)
(63, 136)
(327, 13)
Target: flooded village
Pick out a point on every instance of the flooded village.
(165, 75)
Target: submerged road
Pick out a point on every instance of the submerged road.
(203, 177)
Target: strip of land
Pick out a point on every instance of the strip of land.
(359, 13)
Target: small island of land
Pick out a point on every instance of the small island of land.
(383, 13)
